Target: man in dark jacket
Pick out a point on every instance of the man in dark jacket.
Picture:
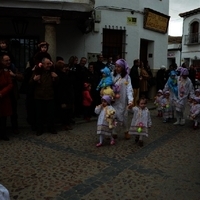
(135, 79)
(44, 97)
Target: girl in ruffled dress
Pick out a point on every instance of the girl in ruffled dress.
(141, 121)
(195, 111)
(157, 102)
(102, 124)
(166, 104)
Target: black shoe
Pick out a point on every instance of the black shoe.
(52, 131)
(38, 133)
(136, 139)
(5, 138)
(16, 131)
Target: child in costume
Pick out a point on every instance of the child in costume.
(141, 121)
(157, 102)
(87, 102)
(197, 93)
(195, 111)
(102, 124)
(106, 78)
(166, 107)
(185, 90)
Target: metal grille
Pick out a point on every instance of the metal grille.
(114, 43)
(22, 49)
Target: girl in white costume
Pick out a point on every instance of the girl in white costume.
(122, 80)
(141, 121)
(102, 124)
(185, 89)
(157, 102)
(166, 104)
(195, 111)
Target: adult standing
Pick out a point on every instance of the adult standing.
(5, 102)
(161, 78)
(92, 78)
(79, 75)
(14, 94)
(99, 65)
(143, 81)
(122, 79)
(192, 75)
(44, 96)
(135, 80)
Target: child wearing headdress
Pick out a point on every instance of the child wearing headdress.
(157, 102)
(197, 92)
(141, 121)
(166, 104)
(195, 111)
(103, 128)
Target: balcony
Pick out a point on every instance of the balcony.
(192, 39)
(70, 5)
(71, 9)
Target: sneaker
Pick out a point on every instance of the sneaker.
(38, 133)
(4, 137)
(99, 144)
(112, 142)
(52, 131)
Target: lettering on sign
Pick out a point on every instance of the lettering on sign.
(155, 21)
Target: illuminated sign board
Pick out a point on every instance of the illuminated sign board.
(155, 21)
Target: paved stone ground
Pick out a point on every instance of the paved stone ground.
(68, 166)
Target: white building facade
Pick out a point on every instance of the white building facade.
(191, 37)
(131, 29)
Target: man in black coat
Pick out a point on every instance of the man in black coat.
(135, 79)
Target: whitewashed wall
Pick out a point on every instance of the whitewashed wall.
(190, 51)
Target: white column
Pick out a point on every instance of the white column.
(50, 34)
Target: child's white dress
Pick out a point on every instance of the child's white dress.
(141, 121)
(167, 108)
(157, 102)
(102, 124)
(195, 112)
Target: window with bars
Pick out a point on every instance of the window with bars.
(114, 43)
(22, 49)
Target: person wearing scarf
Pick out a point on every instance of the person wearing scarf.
(122, 80)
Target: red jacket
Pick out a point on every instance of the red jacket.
(5, 89)
(87, 99)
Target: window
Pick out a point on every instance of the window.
(114, 43)
(22, 49)
(194, 32)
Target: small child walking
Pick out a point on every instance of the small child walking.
(167, 107)
(102, 124)
(195, 112)
(87, 102)
(141, 121)
(157, 102)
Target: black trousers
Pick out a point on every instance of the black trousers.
(44, 114)
(3, 126)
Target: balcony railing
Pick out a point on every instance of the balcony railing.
(193, 38)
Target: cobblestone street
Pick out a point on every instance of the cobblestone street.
(69, 165)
